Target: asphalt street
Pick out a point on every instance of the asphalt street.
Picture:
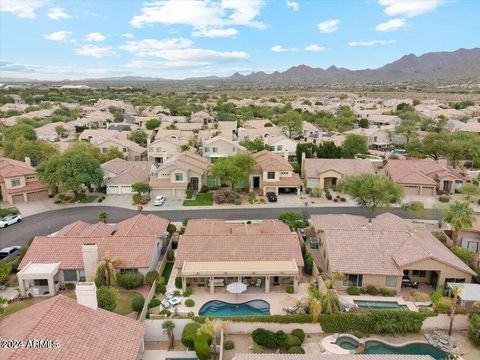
(51, 221)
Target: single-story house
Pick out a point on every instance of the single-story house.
(377, 139)
(216, 252)
(72, 254)
(380, 253)
(62, 328)
(273, 173)
(423, 176)
(120, 174)
(325, 173)
(52, 132)
(177, 173)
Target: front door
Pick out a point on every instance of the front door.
(194, 183)
(256, 182)
(433, 279)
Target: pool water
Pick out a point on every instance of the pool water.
(377, 347)
(380, 305)
(221, 308)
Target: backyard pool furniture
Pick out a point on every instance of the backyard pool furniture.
(222, 308)
(291, 309)
(174, 301)
(165, 304)
(258, 283)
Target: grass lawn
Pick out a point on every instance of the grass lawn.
(124, 303)
(200, 200)
(20, 305)
(89, 199)
(167, 271)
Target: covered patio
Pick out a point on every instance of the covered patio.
(39, 279)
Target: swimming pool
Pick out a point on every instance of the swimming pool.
(379, 347)
(221, 308)
(380, 305)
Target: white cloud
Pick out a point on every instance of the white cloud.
(391, 25)
(96, 51)
(59, 36)
(329, 26)
(23, 9)
(370, 43)
(57, 13)
(200, 14)
(128, 36)
(315, 48)
(293, 5)
(211, 33)
(95, 36)
(278, 48)
(153, 47)
(409, 8)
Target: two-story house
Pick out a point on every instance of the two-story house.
(273, 173)
(162, 149)
(177, 173)
(19, 182)
(219, 147)
(282, 145)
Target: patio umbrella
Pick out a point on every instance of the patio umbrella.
(236, 288)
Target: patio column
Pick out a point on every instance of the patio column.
(21, 285)
(51, 285)
(295, 284)
(184, 283)
(267, 284)
(212, 285)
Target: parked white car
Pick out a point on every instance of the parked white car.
(159, 200)
(10, 220)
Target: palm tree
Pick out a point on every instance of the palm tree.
(329, 302)
(168, 327)
(3, 304)
(460, 216)
(106, 269)
(103, 217)
(456, 291)
(315, 309)
(329, 279)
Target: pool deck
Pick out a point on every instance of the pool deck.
(401, 301)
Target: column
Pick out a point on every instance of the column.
(212, 285)
(184, 283)
(21, 285)
(295, 284)
(51, 286)
(267, 284)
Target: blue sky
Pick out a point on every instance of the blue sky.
(48, 39)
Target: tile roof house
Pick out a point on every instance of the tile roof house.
(164, 148)
(470, 239)
(281, 145)
(423, 176)
(325, 173)
(216, 251)
(72, 253)
(381, 252)
(377, 139)
(82, 332)
(121, 174)
(48, 132)
(218, 147)
(177, 173)
(273, 173)
(19, 182)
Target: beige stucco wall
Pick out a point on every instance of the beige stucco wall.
(8, 182)
(163, 149)
(444, 271)
(326, 174)
(376, 280)
(224, 149)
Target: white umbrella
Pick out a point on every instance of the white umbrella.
(236, 288)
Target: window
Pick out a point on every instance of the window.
(271, 175)
(15, 182)
(32, 177)
(419, 273)
(40, 282)
(284, 172)
(390, 281)
(104, 150)
(124, 150)
(279, 147)
(178, 177)
(313, 183)
(207, 149)
(234, 149)
(151, 149)
(70, 275)
(81, 275)
(353, 280)
(215, 149)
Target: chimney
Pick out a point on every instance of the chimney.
(86, 293)
(28, 161)
(90, 260)
(285, 154)
(302, 164)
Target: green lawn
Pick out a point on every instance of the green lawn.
(200, 200)
(90, 199)
(167, 271)
(124, 303)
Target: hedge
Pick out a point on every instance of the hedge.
(296, 350)
(137, 303)
(299, 333)
(375, 322)
(130, 280)
(188, 335)
(270, 339)
(292, 340)
(278, 319)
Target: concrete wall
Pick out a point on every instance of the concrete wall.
(154, 331)
(151, 293)
(442, 321)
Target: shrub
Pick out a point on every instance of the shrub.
(414, 206)
(308, 190)
(443, 305)
(189, 193)
(269, 339)
(202, 347)
(238, 201)
(436, 295)
(204, 189)
(372, 290)
(353, 290)
(140, 199)
(296, 350)
(171, 229)
(219, 197)
(308, 263)
(165, 312)
(178, 282)
(292, 340)
(154, 303)
(290, 289)
(329, 196)
(170, 255)
(444, 198)
(137, 303)
(316, 192)
(293, 219)
(160, 289)
(388, 292)
(228, 345)
(188, 335)
(130, 280)
(189, 303)
(299, 333)
(107, 298)
(187, 292)
(69, 286)
(465, 255)
(151, 277)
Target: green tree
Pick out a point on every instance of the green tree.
(37, 151)
(112, 153)
(371, 191)
(19, 130)
(292, 122)
(86, 147)
(138, 136)
(345, 118)
(407, 128)
(233, 168)
(71, 171)
(433, 145)
(103, 217)
(328, 150)
(455, 293)
(470, 190)
(293, 220)
(458, 150)
(141, 188)
(254, 146)
(353, 145)
(152, 124)
(106, 270)
(460, 216)
(5, 270)
(168, 327)
(107, 297)
(363, 123)
(61, 131)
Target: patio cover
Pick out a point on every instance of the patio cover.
(239, 268)
(470, 292)
(39, 271)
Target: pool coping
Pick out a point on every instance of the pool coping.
(242, 303)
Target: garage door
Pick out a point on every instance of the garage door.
(428, 191)
(287, 190)
(119, 189)
(17, 198)
(38, 195)
(411, 190)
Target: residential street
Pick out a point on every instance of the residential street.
(34, 225)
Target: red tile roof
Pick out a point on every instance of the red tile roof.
(83, 333)
(11, 168)
(267, 161)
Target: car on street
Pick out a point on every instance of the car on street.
(10, 220)
(271, 196)
(159, 200)
(9, 253)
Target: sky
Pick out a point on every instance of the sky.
(176, 39)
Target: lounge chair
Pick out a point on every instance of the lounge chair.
(258, 283)
(291, 309)
(245, 281)
(168, 296)
(165, 304)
